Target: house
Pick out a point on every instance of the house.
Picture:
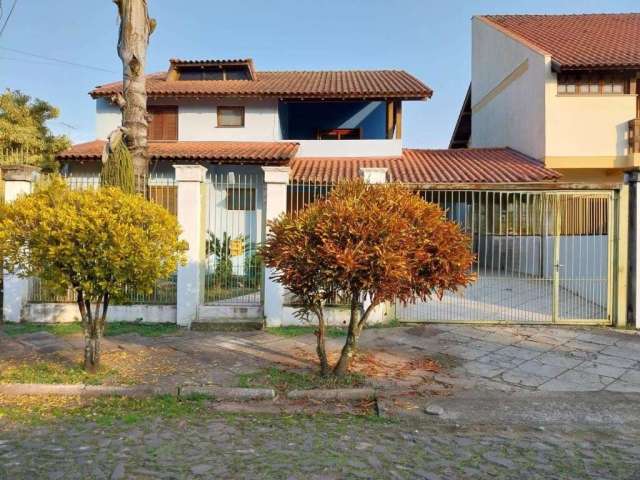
(563, 89)
(232, 147)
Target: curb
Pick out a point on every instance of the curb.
(15, 389)
(334, 394)
(228, 393)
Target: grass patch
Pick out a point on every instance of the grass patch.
(102, 410)
(296, 331)
(333, 332)
(51, 372)
(112, 329)
(286, 380)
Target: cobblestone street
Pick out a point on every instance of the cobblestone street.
(322, 447)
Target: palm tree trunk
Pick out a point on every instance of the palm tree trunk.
(133, 40)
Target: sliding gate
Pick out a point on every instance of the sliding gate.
(541, 257)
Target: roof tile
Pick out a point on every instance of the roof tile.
(318, 84)
(579, 41)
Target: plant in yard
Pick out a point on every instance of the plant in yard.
(99, 243)
(373, 243)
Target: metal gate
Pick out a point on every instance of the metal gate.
(541, 257)
(234, 229)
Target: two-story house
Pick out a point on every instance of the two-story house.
(562, 89)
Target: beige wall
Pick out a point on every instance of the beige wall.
(507, 96)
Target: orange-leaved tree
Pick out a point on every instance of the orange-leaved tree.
(374, 243)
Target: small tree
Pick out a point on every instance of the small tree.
(374, 243)
(100, 243)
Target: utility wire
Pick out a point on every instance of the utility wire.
(58, 60)
(6, 21)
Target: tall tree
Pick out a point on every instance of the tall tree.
(23, 128)
(135, 29)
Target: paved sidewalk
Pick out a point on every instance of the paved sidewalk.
(542, 358)
(511, 358)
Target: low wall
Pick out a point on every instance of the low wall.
(68, 312)
(336, 316)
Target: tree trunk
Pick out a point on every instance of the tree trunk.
(135, 29)
(356, 324)
(321, 334)
(93, 328)
(350, 345)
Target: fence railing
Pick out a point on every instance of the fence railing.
(162, 190)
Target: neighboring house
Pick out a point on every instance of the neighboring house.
(562, 89)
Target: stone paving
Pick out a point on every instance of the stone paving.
(518, 358)
(542, 358)
(265, 447)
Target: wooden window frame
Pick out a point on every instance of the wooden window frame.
(592, 78)
(175, 108)
(229, 107)
(320, 131)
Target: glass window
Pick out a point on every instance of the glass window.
(230, 116)
(241, 199)
(236, 74)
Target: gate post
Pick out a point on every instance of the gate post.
(190, 180)
(275, 203)
(18, 180)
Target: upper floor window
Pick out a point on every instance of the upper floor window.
(590, 84)
(213, 73)
(163, 125)
(340, 134)
(230, 116)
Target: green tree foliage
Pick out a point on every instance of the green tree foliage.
(100, 243)
(23, 128)
(372, 243)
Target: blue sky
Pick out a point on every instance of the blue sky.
(430, 39)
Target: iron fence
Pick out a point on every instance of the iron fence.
(162, 190)
(233, 269)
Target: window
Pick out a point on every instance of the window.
(230, 116)
(591, 84)
(213, 73)
(340, 134)
(241, 199)
(163, 125)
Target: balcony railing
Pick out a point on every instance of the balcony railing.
(634, 135)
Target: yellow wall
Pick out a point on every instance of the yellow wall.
(591, 175)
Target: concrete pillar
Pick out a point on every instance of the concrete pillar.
(191, 216)
(275, 194)
(18, 180)
(633, 298)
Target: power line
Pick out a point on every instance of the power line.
(58, 60)
(6, 21)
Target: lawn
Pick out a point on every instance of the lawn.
(112, 328)
(287, 380)
(296, 331)
(55, 372)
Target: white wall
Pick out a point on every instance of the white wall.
(587, 125)
(197, 119)
(349, 148)
(68, 312)
(515, 117)
(108, 118)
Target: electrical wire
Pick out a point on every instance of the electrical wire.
(6, 21)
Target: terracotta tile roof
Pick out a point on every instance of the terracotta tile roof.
(480, 165)
(578, 41)
(294, 85)
(238, 152)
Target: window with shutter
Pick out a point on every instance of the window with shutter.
(163, 125)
